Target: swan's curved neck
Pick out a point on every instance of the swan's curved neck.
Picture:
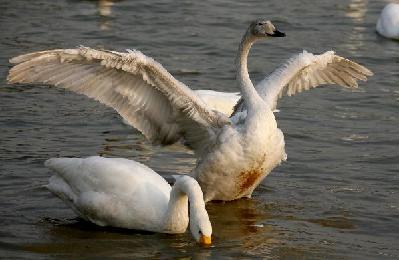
(248, 91)
(176, 217)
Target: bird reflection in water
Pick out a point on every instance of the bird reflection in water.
(72, 237)
(241, 224)
(356, 10)
(104, 7)
(104, 10)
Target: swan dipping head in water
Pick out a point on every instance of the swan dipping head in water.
(124, 193)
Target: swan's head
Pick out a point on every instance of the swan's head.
(200, 225)
(262, 28)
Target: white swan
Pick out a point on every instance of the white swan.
(234, 154)
(124, 193)
(388, 22)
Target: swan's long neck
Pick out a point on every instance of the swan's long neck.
(176, 217)
(248, 91)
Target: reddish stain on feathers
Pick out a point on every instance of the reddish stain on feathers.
(248, 178)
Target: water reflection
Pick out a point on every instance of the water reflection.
(339, 222)
(239, 226)
(356, 10)
(243, 224)
(132, 146)
(76, 237)
(244, 228)
(104, 9)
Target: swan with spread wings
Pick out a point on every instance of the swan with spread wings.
(234, 152)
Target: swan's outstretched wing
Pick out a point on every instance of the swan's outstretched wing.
(305, 71)
(136, 86)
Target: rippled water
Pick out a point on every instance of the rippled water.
(336, 196)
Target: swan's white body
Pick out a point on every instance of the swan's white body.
(123, 193)
(388, 22)
(223, 102)
(234, 154)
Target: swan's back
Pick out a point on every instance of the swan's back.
(388, 22)
(111, 191)
(220, 101)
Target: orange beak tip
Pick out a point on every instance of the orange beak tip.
(205, 240)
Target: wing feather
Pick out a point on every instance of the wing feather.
(305, 71)
(137, 87)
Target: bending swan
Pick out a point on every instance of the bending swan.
(123, 193)
(233, 154)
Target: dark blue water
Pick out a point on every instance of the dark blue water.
(336, 196)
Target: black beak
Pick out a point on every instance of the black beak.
(277, 33)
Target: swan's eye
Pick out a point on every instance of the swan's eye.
(200, 232)
(260, 24)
